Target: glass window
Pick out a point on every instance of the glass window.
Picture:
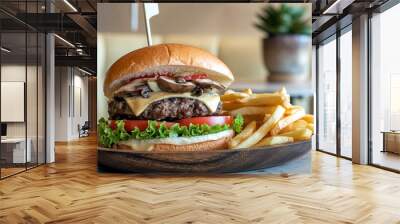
(13, 86)
(327, 97)
(31, 97)
(385, 84)
(22, 95)
(346, 94)
(41, 149)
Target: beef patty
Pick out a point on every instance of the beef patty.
(166, 109)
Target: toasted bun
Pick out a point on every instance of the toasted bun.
(195, 147)
(217, 144)
(165, 58)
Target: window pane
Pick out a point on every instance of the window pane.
(346, 93)
(41, 98)
(13, 85)
(31, 97)
(386, 89)
(22, 89)
(327, 97)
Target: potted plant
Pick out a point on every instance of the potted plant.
(287, 42)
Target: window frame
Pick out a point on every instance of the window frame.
(27, 29)
(334, 37)
(371, 13)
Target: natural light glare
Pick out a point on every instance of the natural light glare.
(327, 97)
(390, 66)
(346, 93)
(385, 79)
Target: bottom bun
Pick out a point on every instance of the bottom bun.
(180, 144)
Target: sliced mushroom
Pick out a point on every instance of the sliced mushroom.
(180, 80)
(132, 86)
(142, 90)
(120, 95)
(208, 83)
(145, 92)
(198, 91)
(170, 85)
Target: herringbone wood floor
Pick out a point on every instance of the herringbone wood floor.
(72, 191)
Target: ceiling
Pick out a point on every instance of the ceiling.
(76, 20)
(76, 25)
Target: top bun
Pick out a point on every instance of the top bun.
(165, 58)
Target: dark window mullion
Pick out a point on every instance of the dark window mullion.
(317, 96)
(37, 90)
(338, 95)
(44, 79)
(369, 79)
(26, 87)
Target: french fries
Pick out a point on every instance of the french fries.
(265, 99)
(231, 105)
(253, 110)
(234, 96)
(300, 134)
(286, 121)
(266, 117)
(274, 140)
(246, 132)
(264, 129)
(248, 91)
(300, 124)
(295, 125)
(309, 118)
(311, 127)
(286, 97)
(269, 118)
(255, 117)
(293, 109)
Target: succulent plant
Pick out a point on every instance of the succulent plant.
(284, 20)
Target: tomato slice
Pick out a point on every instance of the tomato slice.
(195, 76)
(141, 124)
(211, 120)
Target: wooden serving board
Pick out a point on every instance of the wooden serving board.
(221, 161)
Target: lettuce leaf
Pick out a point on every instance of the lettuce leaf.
(108, 136)
(237, 123)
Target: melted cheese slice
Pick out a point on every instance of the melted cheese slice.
(139, 104)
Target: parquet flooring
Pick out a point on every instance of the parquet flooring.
(72, 191)
(10, 171)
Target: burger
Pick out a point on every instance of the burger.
(167, 98)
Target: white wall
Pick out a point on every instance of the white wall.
(61, 103)
(12, 73)
(79, 117)
(70, 109)
(34, 125)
